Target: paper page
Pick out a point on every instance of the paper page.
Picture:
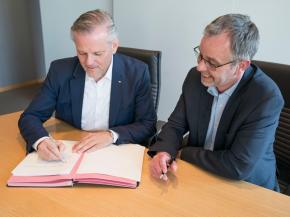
(96, 178)
(122, 161)
(32, 165)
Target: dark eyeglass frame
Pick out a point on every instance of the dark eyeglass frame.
(212, 66)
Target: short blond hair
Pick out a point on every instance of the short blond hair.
(89, 20)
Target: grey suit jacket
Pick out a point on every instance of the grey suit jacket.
(243, 147)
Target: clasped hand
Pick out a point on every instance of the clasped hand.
(161, 164)
(50, 150)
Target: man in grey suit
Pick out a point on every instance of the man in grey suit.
(229, 107)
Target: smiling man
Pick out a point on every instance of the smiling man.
(229, 107)
(104, 93)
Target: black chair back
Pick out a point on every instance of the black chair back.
(280, 73)
(153, 59)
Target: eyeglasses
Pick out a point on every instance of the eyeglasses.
(210, 65)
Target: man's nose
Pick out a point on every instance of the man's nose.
(89, 60)
(201, 66)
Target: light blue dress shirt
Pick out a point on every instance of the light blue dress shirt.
(219, 103)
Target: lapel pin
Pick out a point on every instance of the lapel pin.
(119, 82)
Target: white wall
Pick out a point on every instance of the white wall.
(174, 27)
(57, 16)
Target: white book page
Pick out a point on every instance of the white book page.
(123, 161)
(32, 165)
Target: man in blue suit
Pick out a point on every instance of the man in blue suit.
(99, 91)
(229, 107)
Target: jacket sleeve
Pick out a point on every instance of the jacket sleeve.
(253, 139)
(40, 109)
(171, 136)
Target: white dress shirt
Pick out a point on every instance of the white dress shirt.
(96, 102)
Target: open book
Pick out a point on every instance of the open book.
(113, 165)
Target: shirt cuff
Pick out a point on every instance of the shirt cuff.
(38, 142)
(115, 136)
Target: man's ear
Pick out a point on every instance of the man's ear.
(244, 64)
(115, 45)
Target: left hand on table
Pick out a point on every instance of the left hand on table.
(93, 141)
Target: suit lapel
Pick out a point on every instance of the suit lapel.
(226, 120)
(205, 104)
(230, 110)
(77, 85)
(116, 90)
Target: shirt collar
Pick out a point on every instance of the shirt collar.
(108, 74)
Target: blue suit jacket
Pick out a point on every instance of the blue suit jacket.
(131, 114)
(243, 148)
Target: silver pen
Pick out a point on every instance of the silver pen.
(61, 154)
(163, 175)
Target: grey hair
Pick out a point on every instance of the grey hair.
(243, 33)
(89, 20)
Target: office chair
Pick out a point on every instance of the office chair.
(280, 73)
(153, 59)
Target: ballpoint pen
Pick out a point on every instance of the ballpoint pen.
(163, 175)
(61, 155)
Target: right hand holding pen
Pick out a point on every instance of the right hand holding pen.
(50, 149)
(161, 164)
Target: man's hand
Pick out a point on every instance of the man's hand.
(161, 164)
(50, 149)
(93, 141)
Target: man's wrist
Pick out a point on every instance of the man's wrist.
(35, 145)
